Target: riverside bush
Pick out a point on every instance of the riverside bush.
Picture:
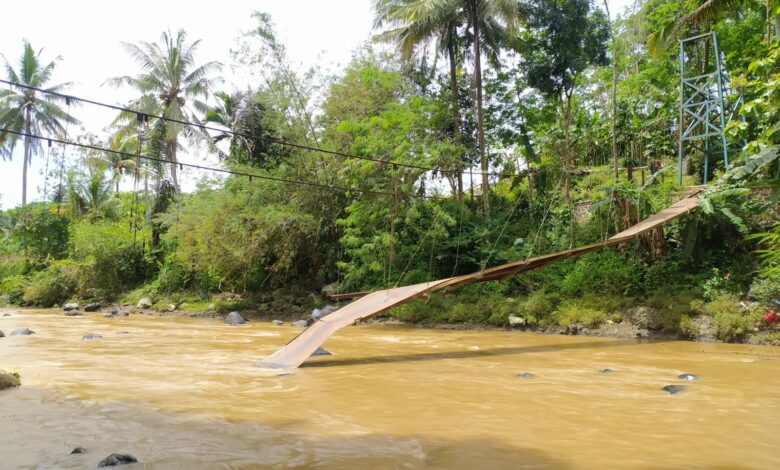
(54, 285)
(13, 287)
(573, 314)
(604, 272)
(732, 323)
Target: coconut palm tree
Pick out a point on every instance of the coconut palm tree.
(25, 110)
(417, 23)
(170, 85)
(703, 12)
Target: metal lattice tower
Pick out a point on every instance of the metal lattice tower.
(704, 102)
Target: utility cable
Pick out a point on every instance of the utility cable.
(250, 136)
(219, 170)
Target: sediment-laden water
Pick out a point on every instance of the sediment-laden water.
(184, 393)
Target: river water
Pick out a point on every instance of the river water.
(184, 393)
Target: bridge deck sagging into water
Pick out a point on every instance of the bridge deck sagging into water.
(302, 346)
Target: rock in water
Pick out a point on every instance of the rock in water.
(117, 459)
(69, 307)
(318, 313)
(146, 302)
(300, 323)
(321, 352)
(93, 307)
(78, 450)
(6, 314)
(2, 335)
(73, 313)
(123, 332)
(516, 321)
(526, 375)
(22, 332)
(233, 318)
(605, 371)
(673, 389)
(687, 377)
(8, 380)
(91, 336)
(115, 312)
(277, 322)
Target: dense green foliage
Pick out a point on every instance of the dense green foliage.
(401, 197)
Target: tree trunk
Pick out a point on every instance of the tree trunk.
(27, 154)
(566, 113)
(614, 94)
(455, 109)
(480, 124)
(170, 151)
(777, 26)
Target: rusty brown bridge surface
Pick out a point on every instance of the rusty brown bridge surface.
(302, 346)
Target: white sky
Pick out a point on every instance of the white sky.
(87, 34)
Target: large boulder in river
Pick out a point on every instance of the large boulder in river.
(8, 380)
(234, 318)
(2, 335)
(93, 307)
(71, 306)
(300, 323)
(319, 313)
(117, 459)
(145, 303)
(22, 332)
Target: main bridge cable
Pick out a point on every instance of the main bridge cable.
(220, 170)
(250, 136)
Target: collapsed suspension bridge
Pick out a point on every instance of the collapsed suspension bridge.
(301, 347)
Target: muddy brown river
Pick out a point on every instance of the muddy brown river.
(183, 393)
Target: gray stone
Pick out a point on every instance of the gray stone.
(319, 313)
(330, 289)
(321, 352)
(78, 450)
(2, 335)
(673, 389)
(606, 371)
(171, 307)
(115, 312)
(117, 459)
(516, 321)
(93, 307)
(277, 322)
(687, 377)
(22, 332)
(123, 332)
(73, 313)
(526, 375)
(300, 323)
(233, 318)
(146, 302)
(69, 307)
(8, 380)
(91, 336)
(6, 314)
(644, 317)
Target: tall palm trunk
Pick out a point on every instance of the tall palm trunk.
(455, 108)
(170, 152)
(565, 102)
(480, 127)
(614, 96)
(27, 154)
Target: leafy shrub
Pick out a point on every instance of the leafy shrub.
(672, 308)
(42, 232)
(717, 285)
(731, 322)
(54, 285)
(768, 338)
(13, 287)
(766, 289)
(602, 272)
(537, 308)
(571, 314)
(687, 327)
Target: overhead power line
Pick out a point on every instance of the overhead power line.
(249, 136)
(218, 170)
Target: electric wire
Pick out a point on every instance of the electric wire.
(250, 136)
(219, 170)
